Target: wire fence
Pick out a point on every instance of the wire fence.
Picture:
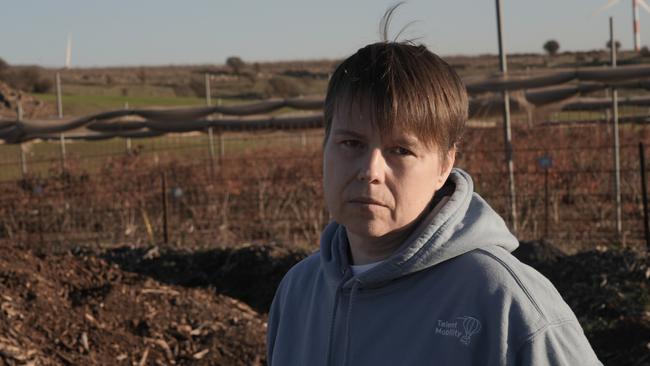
(266, 186)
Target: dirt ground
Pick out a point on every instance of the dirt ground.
(165, 306)
(77, 308)
(608, 290)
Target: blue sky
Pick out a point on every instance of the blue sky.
(162, 32)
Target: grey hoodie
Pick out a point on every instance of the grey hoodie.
(452, 294)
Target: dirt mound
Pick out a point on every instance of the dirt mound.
(76, 309)
(150, 306)
(609, 291)
(538, 252)
(250, 273)
(10, 98)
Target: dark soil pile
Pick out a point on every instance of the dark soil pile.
(77, 309)
(153, 306)
(609, 291)
(250, 273)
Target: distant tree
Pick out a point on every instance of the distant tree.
(43, 85)
(236, 64)
(616, 43)
(645, 52)
(29, 79)
(551, 47)
(198, 87)
(4, 66)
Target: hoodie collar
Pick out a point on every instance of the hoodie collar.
(461, 224)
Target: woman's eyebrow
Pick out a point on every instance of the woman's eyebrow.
(344, 132)
(406, 140)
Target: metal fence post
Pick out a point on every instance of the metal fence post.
(59, 101)
(23, 161)
(208, 92)
(164, 207)
(62, 143)
(546, 204)
(617, 159)
(23, 158)
(208, 102)
(127, 141)
(644, 189)
(222, 148)
(506, 124)
(211, 145)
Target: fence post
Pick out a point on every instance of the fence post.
(208, 92)
(503, 64)
(222, 148)
(23, 161)
(59, 101)
(617, 160)
(23, 158)
(208, 102)
(546, 203)
(211, 144)
(164, 206)
(127, 141)
(644, 189)
(62, 143)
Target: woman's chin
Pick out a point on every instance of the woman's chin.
(372, 229)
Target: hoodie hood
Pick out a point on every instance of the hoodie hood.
(461, 221)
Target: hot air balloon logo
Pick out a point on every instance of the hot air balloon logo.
(471, 327)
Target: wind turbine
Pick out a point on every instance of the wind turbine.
(635, 15)
(68, 53)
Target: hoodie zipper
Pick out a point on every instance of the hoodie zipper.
(333, 317)
(348, 338)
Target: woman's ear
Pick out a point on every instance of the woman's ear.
(445, 167)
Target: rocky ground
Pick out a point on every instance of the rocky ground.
(156, 306)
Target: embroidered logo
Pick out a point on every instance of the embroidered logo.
(463, 327)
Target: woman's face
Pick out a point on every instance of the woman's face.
(378, 185)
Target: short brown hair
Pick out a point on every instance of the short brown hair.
(407, 87)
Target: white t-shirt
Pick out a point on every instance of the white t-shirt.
(360, 268)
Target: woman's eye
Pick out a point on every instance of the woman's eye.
(401, 151)
(354, 144)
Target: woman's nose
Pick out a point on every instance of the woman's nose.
(373, 167)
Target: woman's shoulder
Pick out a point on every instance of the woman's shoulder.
(503, 275)
(303, 271)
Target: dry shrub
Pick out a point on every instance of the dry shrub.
(29, 79)
(283, 87)
(275, 194)
(261, 196)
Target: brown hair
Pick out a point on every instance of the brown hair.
(406, 87)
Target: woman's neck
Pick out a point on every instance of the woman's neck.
(366, 250)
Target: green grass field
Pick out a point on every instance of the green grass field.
(43, 158)
(79, 105)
